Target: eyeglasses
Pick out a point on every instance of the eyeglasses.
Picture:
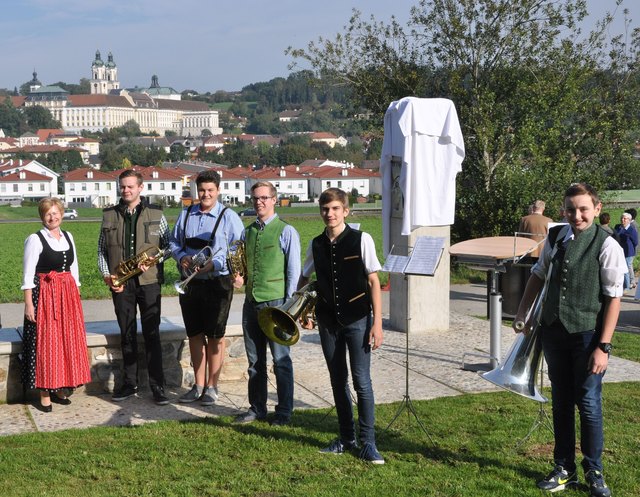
(262, 199)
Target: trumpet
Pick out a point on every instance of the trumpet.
(131, 267)
(198, 261)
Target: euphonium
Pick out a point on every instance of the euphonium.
(131, 267)
(236, 258)
(280, 324)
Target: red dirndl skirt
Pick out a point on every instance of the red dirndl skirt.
(61, 343)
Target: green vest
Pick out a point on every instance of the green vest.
(574, 296)
(265, 261)
(147, 235)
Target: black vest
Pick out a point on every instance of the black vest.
(343, 290)
(53, 260)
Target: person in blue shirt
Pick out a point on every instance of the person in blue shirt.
(627, 236)
(207, 299)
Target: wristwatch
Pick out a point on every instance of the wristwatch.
(605, 347)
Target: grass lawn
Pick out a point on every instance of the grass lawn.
(475, 454)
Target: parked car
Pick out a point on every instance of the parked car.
(248, 212)
(70, 214)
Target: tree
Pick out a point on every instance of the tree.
(11, 120)
(37, 117)
(540, 104)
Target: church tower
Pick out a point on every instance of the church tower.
(104, 77)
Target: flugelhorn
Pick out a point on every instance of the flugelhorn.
(131, 267)
(198, 261)
(520, 368)
(280, 324)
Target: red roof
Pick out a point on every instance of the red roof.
(273, 174)
(80, 174)
(45, 133)
(26, 176)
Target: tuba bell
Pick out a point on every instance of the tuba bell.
(236, 257)
(280, 324)
(519, 370)
(131, 267)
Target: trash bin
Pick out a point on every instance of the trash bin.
(512, 284)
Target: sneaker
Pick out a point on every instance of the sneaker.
(369, 453)
(192, 395)
(248, 417)
(209, 396)
(159, 396)
(339, 447)
(558, 479)
(280, 421)
(124, 392)
(596, 483)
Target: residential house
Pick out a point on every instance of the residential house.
(8, 167)
(26, 185)
(88, 187)
(363, 181)
(289, 183)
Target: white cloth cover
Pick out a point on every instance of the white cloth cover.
(426, 133)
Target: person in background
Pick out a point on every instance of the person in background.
(535, 225)
(582, 268)
(604, 218)
(207, 297)
(627, 236)
(349, 313)
(129, 228)
(54, 355)
(273, 269)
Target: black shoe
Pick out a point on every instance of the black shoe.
(558, 479)
(58, 400)
(124, 392)
(280, 421)
(247, 417)
(158, 396)
(597, 486)
(42, 408)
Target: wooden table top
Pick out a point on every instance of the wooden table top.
(494, 248)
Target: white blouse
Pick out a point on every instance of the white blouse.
(32, 250)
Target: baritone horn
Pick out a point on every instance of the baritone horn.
(520, 368)
(131, 267)
(198, 261)
(236, 257)
(280, 324)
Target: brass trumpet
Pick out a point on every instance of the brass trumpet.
(236, 258)
(198, 261)
(131, 267)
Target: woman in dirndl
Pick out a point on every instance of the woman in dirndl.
(54, 356)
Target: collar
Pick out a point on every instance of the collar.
(262, 225)
(214, 212)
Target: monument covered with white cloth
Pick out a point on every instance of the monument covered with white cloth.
(422, 154)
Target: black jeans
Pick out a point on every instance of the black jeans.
(147, 297)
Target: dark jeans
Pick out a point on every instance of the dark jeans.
(255, 344)
(335, 340)
(147, 297)
(572, 384)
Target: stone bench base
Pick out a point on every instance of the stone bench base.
(105, 357)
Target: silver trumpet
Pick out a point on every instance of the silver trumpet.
(198, 261)
(520, 367)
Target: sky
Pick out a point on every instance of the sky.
(202, 45)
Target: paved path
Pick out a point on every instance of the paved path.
(434, 370)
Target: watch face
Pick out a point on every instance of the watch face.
(605, 347)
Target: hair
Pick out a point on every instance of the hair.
(582, 189)
(627, 215)
(128, 173)
(332, 194)
(633, 212)
(46, 203)
(272, 189)
(209, 176)
(604, 218)
(539, 205)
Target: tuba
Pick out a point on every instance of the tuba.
(280, 324)
(520, 368)
(131, 267)
(198, 261)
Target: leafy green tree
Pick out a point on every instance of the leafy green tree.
(11, 120)
(177, 153)
(62, 161)
(37, 117)
(541, 105)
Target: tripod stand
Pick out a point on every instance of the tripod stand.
(542, 419)
(406, 399)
